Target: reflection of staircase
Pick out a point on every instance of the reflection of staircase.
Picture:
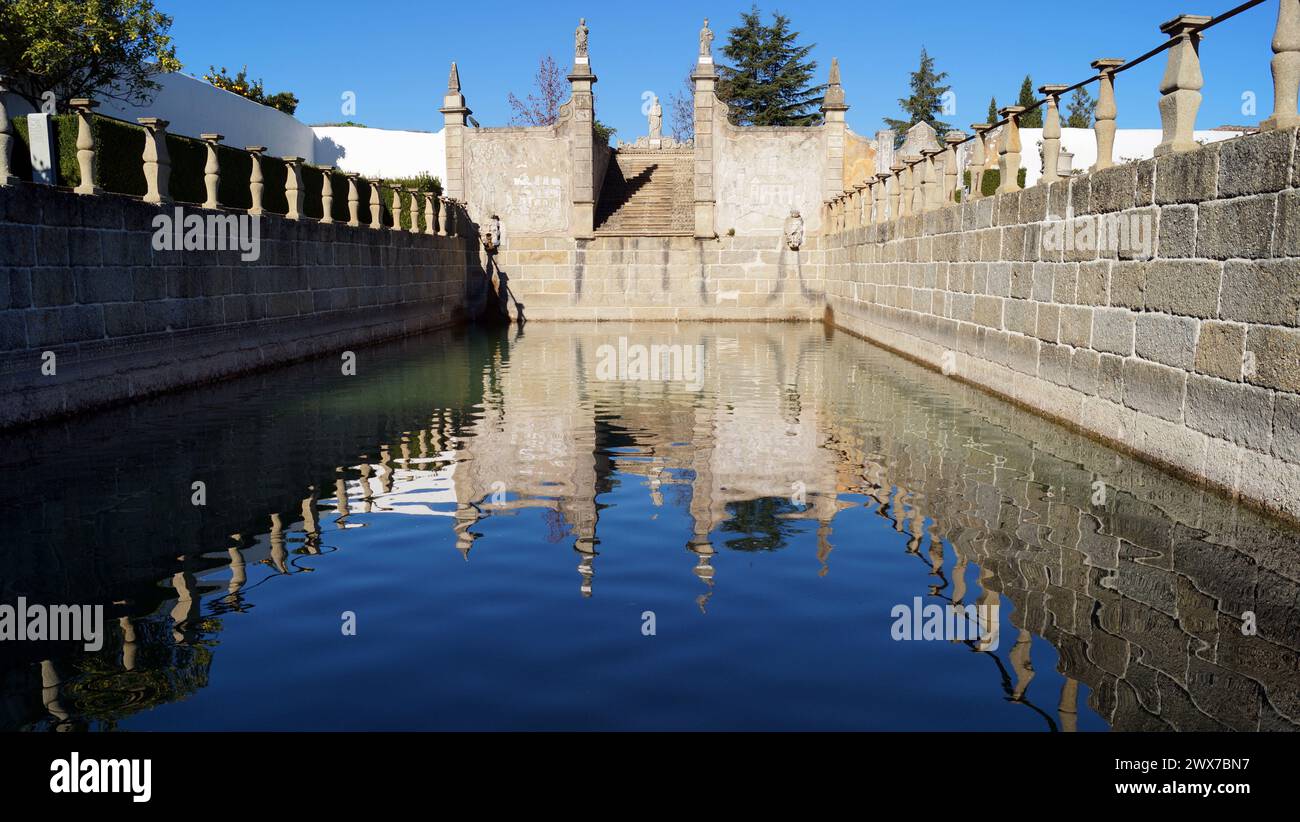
(648, 194)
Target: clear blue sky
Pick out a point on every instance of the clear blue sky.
(395, 55)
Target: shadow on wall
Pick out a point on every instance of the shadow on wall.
(327, 152)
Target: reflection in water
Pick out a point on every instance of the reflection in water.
(498, 518)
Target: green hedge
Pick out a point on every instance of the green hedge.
(119, 150)
(990, 182)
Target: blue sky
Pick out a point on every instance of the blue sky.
(395, 55)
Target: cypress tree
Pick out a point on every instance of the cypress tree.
(768, 81)
(926, 100)
(1082, 109)
(993, 111)
(1032, 119)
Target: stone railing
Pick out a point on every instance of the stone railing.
(913, 186)
(443, 216)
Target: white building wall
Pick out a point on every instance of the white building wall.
(1130, 144)
(377, 152)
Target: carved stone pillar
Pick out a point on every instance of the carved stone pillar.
(930, 180)
(1052, 134)
(896, 190)
(862, 211)
(255, 178)
(354, 199)
(293, 186)
(84, 107)
(1106, 111)
(834, 109)
(211, 169)
(454, 113)
(951, 176)
(397, 208)
(1009, 150)
(430, 215)
(442, 216)
(376, 209)
(6, 139)
(582, 129)
(1181, 85)
(157, 163)
(327, 195)
(1286, 67)
(978, 159)
(907, 206)
(704, 80)
(882, 195)
(415, 211)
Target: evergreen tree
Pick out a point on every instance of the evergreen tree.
(993, 111)
(1031, 119)
(926, 100)
(768, 80)
(1082, 109)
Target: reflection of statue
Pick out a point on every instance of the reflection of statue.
(706, 40)
(794, 230)
(580, 38)
(656, 119)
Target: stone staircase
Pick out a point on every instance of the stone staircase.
(648, 193)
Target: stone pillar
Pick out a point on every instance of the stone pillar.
(293, 186)
(978, 159)
(157, 163)
(327, 195)
(930, 179)
(376, 209)
(415, 210)
(1009, 150)
(1181, 85)
(704, 80)
(354, 199)
(896, 190)
(6, 140)
(442, 216)
(952, 175)
(454, 113)
(1106, 111)
(84, 107)
(211, 169)
(255, 178)
(833, 110)
(1286, 68)
(862, 211)
(882, 181)
(397, 208)
(582, 126)
(1051, 134)
(430, 216)
(907, 206)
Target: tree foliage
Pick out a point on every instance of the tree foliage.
(993, 111)
(768, 80)
(108, 49)
(252, 89)
(1082, 109)
(1030, 119)
(925, 103)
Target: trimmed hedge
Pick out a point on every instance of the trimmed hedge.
(990, 182)
(119, 167)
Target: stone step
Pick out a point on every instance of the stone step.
(647, 195)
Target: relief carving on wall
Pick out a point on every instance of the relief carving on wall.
(528, 196)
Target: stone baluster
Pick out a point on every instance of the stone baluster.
(7, 177)
(978, 159)
(867, 194)
(909, 186)
(931, 180)
(415, 210)
(1051, 134)
(1286, 67)
(951, 176)
(397, 208)
(430, 216)
(255, 186)
(1009, 150)
(84, 107)
(354, 199)
(442, 216)
(881, 195)
(452, 214)
(327, 195)
(293, 186)
(896, 190)
(376, 210)
(1181, 85)
(211, 168)
(1106, 111)
(157, 162)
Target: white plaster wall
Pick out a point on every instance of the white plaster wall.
(378, 152)
(194, 106)
(1130, 144)
(761, 173)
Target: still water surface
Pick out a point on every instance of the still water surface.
(505, 516)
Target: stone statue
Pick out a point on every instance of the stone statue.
(656, 120)
(706, 40)
(492, 235)
(794, 230)
(580, 38)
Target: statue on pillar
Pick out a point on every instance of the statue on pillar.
(794, 230)
(580, 38)
(706, 41)
(656, 119)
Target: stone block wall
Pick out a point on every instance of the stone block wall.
(663, 278)
(80, 279)
(1180, 342)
